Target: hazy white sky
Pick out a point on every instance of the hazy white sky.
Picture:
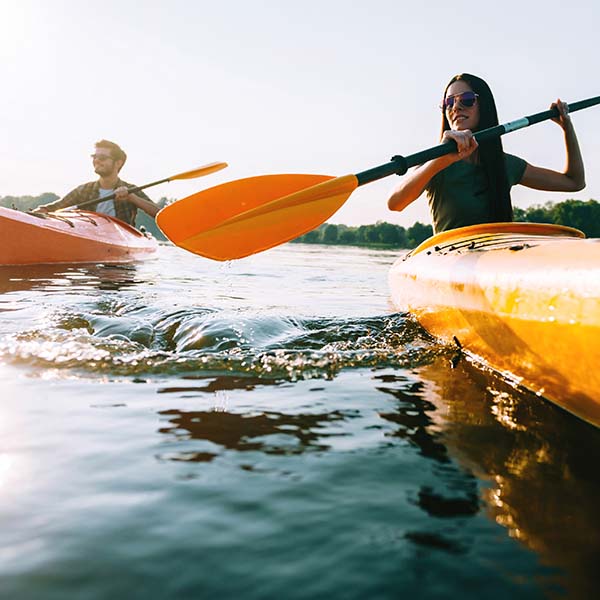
(318, 86)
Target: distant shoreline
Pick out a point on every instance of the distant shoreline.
(582, 215)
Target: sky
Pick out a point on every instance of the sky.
(274, 86)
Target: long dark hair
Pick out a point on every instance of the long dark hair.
(491, 153)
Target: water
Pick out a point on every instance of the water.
(270, 428)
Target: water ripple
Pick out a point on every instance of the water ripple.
(125, 339)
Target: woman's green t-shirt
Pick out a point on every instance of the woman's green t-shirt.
(460, 197)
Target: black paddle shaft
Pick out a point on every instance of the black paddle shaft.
(131, 190)
(400, 164)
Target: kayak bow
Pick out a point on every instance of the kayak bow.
(522, 298)
(76, 236)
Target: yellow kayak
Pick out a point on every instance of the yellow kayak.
(523, 298)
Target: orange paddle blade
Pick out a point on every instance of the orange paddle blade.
(239, 218)
(201, 171)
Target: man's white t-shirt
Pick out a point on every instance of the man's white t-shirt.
(108, 206)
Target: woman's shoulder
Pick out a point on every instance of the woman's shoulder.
(512, 157)
(515, 167)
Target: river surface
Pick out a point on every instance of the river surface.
(271, 428)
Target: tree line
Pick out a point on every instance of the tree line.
(583, 215)
(379, 235)
(574, 213)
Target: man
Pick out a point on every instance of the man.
(108, 159)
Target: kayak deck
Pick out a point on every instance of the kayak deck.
(522, 298)
(76, 236)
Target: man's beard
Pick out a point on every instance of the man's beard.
(102, 171)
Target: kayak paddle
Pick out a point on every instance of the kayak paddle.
(199, 172)
(239, 218)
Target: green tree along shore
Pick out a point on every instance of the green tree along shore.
(583, 215)
(574, 213)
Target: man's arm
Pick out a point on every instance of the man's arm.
(71, 199)
(138, 199)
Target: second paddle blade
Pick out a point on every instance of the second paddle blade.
(242, 217)
(200, 171)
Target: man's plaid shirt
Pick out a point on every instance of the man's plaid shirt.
(126, 211)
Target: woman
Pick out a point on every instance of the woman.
(472, 185)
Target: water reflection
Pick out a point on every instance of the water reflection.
(267, 432)
(454, 494)
(538, 462)
(487, 448)
(62, 277)
(220, 383)
(412, 416)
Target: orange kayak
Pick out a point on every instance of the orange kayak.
(522, 298)
(76, 236)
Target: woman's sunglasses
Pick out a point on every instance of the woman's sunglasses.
(466, 99)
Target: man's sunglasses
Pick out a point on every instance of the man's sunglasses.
(101, 156)
(466, 99)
